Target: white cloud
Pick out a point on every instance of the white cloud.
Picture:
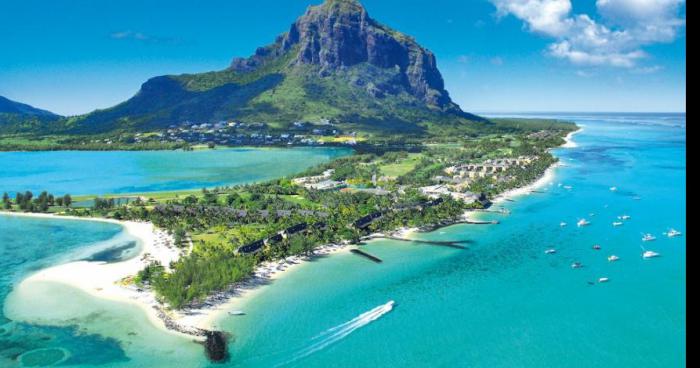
(543, 16)
(628, 26)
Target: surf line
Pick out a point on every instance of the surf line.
(337, 333)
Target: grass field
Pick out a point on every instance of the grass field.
(402, 167)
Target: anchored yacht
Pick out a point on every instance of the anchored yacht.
(648, 237)
(582, 222)
(613, 258)
(673, 233)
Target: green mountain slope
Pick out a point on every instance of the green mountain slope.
(334, 63)
(17, 117)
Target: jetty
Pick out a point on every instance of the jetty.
(444, 243)
(479, 222)
(366, 255)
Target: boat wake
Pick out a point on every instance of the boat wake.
(337, 333)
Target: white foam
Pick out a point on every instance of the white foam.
(337, 333)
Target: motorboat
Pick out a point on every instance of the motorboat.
(582, 222)
(673, 233)
(624, 217)
(603, 279)
(596, 247)
(613, 189)
(568, 187)
(650, 254)
(236, 313)
(617, 223)
(562, 224)
(550, 251)
(576, 265)
(613, 258)
(648, 237)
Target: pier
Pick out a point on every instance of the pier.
(366, 255)
(444, 243)
(478, 222)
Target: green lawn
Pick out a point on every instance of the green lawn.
(402, 167)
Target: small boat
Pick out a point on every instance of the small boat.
(673, 233)
(568, 187)
(648, 237)
(617, 223)
(591, 214)
(576, 265)
(613, 189)
(562, 224)
(624, 217)
(582, 222)
(550, 251)
(596, 247)
(236, 313)
(650, 254)
(603, 279)
(613, 258)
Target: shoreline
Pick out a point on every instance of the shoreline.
(103, 280)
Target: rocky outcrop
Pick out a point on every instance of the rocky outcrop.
(339, 34)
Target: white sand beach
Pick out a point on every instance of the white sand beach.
(105, 280)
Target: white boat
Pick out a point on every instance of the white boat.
(562, 224)
(613, 258)
(650, 254)
(624, 217)
(568, 187)
(236, 313)
(617, 223)
(673, 233)
(603, 279)
(576, 265)
(613, 189)
(550, 251)
(582, 222)
(596, 247)
(648, 237)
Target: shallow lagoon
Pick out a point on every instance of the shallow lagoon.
(118, 172)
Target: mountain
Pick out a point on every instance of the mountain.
(16, 116)
(335, 63)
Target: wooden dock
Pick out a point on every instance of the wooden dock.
(366, 255)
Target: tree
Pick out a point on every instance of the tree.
(6, 201)
(67, 200)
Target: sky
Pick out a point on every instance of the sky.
(75, 56)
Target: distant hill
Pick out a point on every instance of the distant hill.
(16, 116)
(335, 63)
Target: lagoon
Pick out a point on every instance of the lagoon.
(120, 172)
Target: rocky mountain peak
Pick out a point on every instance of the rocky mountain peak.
(339, 34)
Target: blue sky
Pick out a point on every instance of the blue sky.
(74, 56)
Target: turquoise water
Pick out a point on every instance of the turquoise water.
(500, 303)
(85, 172)
(504, 302)
(27, 245)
